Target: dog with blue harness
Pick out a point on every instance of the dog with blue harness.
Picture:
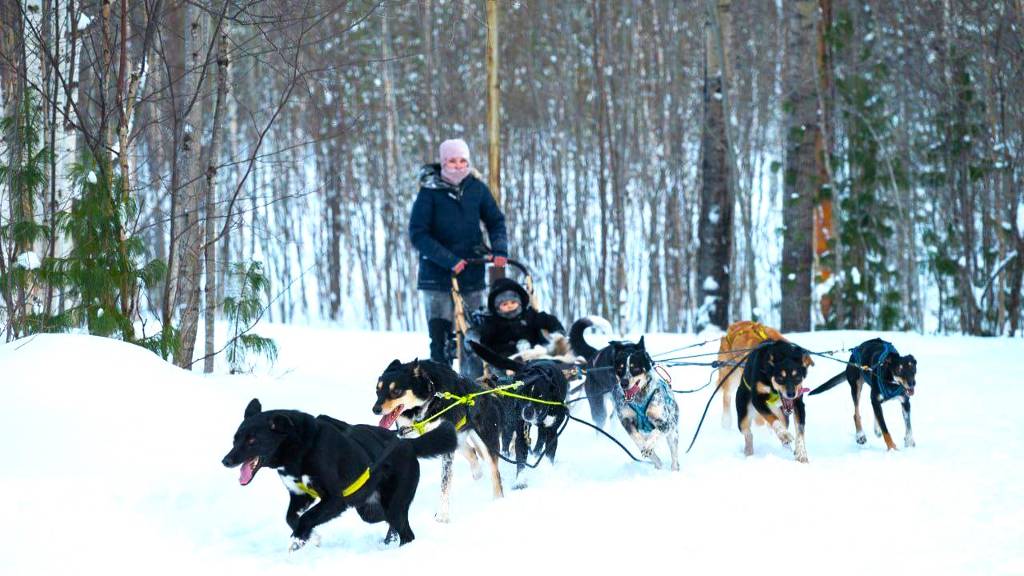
(877, 363)
(645, 404)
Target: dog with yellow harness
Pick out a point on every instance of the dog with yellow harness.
(739, 340)
(329, 466)
(771, 386)
(421, 394)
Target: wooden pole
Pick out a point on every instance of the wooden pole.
(493, 103)
(493, 118)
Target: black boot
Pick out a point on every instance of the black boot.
(440, 331)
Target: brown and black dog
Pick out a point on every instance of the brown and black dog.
(772, 387)
(733, 349)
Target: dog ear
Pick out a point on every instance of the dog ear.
(253, 408)
(909, 358)
(640, 344)
(396, 363)
(280, 423)
(770, 359)
(416, 370)
(808, 362)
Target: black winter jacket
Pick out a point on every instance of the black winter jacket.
(445, 228)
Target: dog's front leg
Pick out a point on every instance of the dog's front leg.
(644, 443)
(522, 445)
(876, 405)
(328, 508)
(296, 505)
(908, 438)
(446, 485)
(777, 424)
(800, 451)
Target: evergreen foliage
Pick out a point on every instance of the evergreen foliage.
(243, 309)
(868, 278)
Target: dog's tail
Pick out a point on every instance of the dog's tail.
(440, 440)
(829, 384)
(493, 358)
(576, 340)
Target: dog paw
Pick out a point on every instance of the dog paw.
(861, 438)
(520, 484)
(296, 544)
(314, 539)
(646, 452)
(442, 517)
(478, 473)
(801, 456)
(908, 442)
(786, 438)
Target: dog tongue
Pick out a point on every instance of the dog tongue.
(390, 417)
(248, 471)
(632, 391)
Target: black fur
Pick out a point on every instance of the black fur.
(772, 386)
(408, 392)
(329, 455)
(544, 380)
(897, 373)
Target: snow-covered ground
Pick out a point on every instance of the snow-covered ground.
(111, 465)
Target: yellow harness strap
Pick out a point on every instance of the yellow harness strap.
(348, 491)
(757, 328)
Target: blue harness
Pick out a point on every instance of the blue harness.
(888, 391)
(643, 423)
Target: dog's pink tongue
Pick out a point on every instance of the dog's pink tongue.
(248, 471)
(632, 391)
(787, 405)
(390, 417)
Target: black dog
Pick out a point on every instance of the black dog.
(889, 375)
(771, 385)
(643, 402)
(336, 465)
(411, 393)
(543, 380)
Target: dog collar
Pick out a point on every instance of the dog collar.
(346, 492)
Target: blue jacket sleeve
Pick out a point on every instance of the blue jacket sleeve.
(495, 222)
(419, 232)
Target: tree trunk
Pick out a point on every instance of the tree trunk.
(220, 34)
(801, 131)
(191, 165)
(715, 227)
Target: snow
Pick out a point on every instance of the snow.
(112, 466)
(91, 177)
(855, 276)
(710, 285)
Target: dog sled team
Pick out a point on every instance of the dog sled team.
(517, 373)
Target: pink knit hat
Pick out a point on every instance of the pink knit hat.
(455, 148)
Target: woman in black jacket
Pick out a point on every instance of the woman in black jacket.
(445, 228)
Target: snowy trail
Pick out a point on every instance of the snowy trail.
(111, 463)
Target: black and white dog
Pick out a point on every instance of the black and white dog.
(329, 466)
(889, 375)
(543, 381)
(410, 394)
(644, 403)
(772, 387)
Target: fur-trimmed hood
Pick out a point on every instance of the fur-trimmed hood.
(503, 285)
(430, 177)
